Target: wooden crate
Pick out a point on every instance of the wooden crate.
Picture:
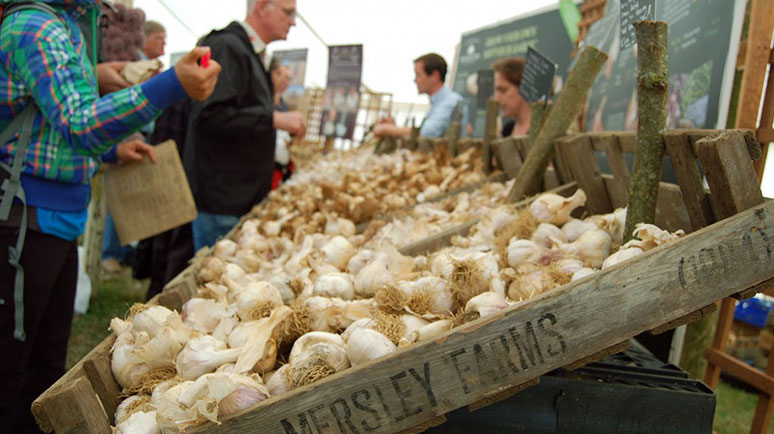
(491, 358)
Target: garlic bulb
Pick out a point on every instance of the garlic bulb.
(528, 252)
(241, 334)
(170, 414)
(367, 323)
(277, 381)
(202, 355)
(140, 422)
(574, 228)
(224, 248)
(307, 340)
(338, 251)
(555, 209)
(534, 280)
(256, 300)
(335, 285)
(365, 345)
(203, 315)
(592, 247)
(340, 226)
(583, 272)
(568, 266)
(150, 320)
(317, 362)
(211, 270)
(544, 232)
(652, 236)
(486, 304)
(426, 296)
(357, 262)
(373, 276)
(612, 223)
(220, 394)
(131, 405)
(621, 256)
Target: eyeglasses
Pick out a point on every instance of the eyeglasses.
(289, 12)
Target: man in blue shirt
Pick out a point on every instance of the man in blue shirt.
(429, 76)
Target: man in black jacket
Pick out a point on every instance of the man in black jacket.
(229, 152)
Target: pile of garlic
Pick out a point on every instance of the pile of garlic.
(277, 310)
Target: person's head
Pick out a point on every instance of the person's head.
(280, 75)
(429, 73)
(507, 79)
(271, 19)
(155, 38)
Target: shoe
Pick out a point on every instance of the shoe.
(111, 265)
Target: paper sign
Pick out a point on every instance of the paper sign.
(146, 198)
(538, 76)
(485, 82)
(633, 11)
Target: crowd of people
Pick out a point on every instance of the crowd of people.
(65, 109)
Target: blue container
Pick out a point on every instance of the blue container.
(752, 311)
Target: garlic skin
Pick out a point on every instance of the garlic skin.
(170, 414)
(259, 353)
(140, 422)
(568, 266)
(544, 232)
(277, 381)
(621, 256)
(440, 298)
(367, 323)
(486, 304)
(202, 355)
(612, 223)
(151, 320)
(224, 248)
(373, 276)
(555, 209)
(428, 332)
(335, 285)
(307, 340)
(122, 411)
(338, 252)
(652, 236)
(221, 394)
(317, 362)
(365, 345)
(574, 228)
(340, 226)
(203, 314)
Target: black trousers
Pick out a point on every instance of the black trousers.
(171, 251)
(28, 368)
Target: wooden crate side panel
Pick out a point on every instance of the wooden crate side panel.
(75, 409)
(528, 340)
(580, 156)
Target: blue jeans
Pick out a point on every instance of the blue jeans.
(207, 228)
(111, 245)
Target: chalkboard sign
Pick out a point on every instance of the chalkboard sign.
(538, 76)
(633, 11)
(485, 81)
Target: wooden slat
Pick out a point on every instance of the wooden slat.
(76, 409)
(586, 171)
(420, 382)
(720, 340)
(437, 241)
(730, 174)
(502, 395)
(614, 152)
(765, 407)
(766, 134)
(100, 375)
(691, 317)
(507, 154)
(756, 63)
(738, 369)
(615, 349)
(697, 202)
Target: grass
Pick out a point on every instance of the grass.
(114, 298)
(733, 413)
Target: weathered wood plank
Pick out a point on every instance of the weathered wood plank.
(501, 395)
(100, 375)
(507, 154)
(614, 152)
(730, 174)
(691, 317)
(527, 340)
(68, 407)
(697, 202)
(587, 174)
(615, 349)
(738, 369)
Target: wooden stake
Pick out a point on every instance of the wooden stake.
(490, 134)
(652, 87)
(566, 109)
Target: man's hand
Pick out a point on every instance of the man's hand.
(198, 82)
(133, 149)
(291, 122)
(109, 77)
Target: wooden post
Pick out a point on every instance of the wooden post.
(564, 112)
(413, 141)
(538, 112)
(652, 87)
(755, 66)
(490, 133)
(94, 233)
(454, 132)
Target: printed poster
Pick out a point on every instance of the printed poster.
(342, 96)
